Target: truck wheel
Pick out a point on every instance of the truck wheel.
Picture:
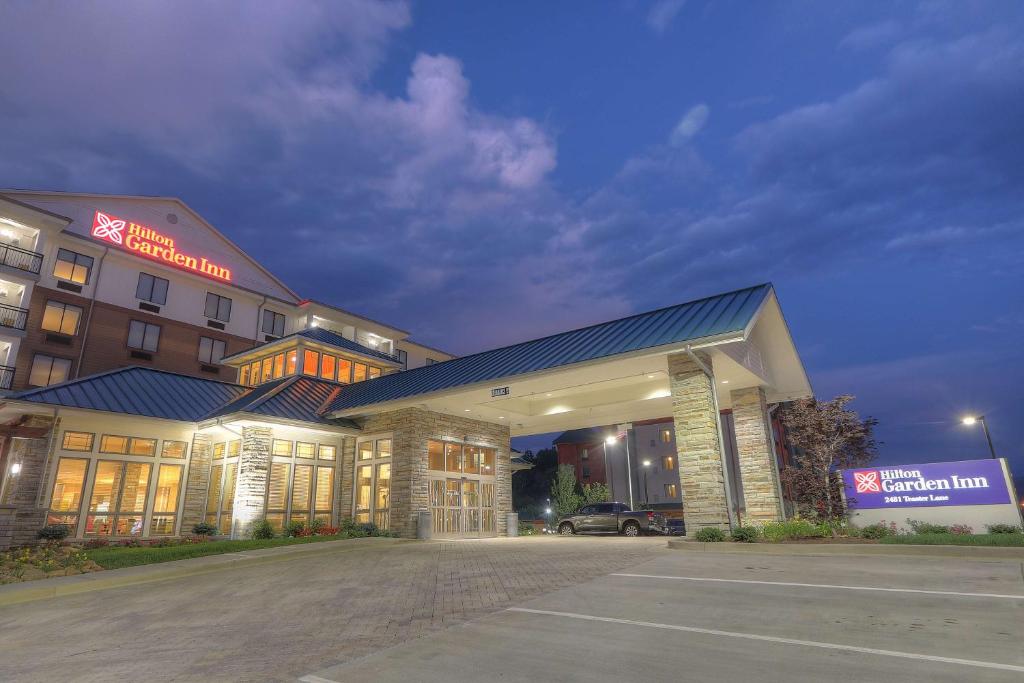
(566, 529)
(631, 529)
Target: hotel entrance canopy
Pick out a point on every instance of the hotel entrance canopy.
(611, 372)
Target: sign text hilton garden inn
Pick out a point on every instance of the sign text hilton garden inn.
(968, 482)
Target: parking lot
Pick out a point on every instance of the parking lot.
(538, 609)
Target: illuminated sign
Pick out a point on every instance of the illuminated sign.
(146, 241)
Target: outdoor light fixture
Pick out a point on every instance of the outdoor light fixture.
(970, 420)
(547, 511)
(16, 468)
(610, 440)
(647, 463)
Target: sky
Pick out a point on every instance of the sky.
(488, 172)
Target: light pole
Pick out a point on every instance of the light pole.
(647, 493)
(972, 419)
(547, 513)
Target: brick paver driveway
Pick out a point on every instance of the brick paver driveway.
(278, 621)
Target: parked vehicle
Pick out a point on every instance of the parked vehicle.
(668, 526)
(605, 518)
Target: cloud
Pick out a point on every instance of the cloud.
(872, 36)
(662, 13)
(692, 123)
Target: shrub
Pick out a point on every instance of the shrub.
(961, 529)
(317, 526)
(527, 529)
(793, 529)
(710, 534)
(262, 529)
(876, 531)
(54, 532)
(745, 534)
(94, 543)
(130, 543)
(329, 531)
(920, 527)
(1003, 529)
(294, 529)
(204, 529)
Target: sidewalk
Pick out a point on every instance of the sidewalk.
(967, 552)
(114, 578)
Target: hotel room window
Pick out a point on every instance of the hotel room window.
(666, 436)
(61, 318)
(273, 323)
(152, 289)
(143, 336)
(47, 370)
(218, 307)
(211, 350)
(671, 490)
(668, 463)
(403, 358)
(72, 266)
(304, 450)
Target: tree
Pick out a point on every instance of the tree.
(532, 487)
(564, 497)
(596, 493)
(828, 436)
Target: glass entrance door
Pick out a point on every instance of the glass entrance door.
(462, 500)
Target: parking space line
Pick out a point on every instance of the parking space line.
(315, 679)
(775, 639)
(824, 585)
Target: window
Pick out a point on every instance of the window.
(280, 447)
(174, 449)
(234, 448)
(218, 451)
(471, 460)
(273, 323)
(671, 490)
(310, 362)
(435, 455)
(268, 368)
(365, 450)
(152, 289)
(584, 454)
(323, 497)
(144, 336)
(114, 444)
(278, 366)
(211, 350)
(218, 307)
(142, 447)
(487, 457)
(358, 372)
(374, 372)
(290, 359)
(73, 266)
(165, 505)
(301, 488)
(62, 318)
(118, 501)
(666, 436)
(304, 450)
(66, 500)
(586, 472)
(403, 358)
(668, 463)
(327, 452)
(344, 371)
(277, 493)
(327, 367)
(429, 361)
(372, 483)
(47, 370)
(77, 441)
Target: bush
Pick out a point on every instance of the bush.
(920, 527)
(262, 529)
(527, 529)
(876, 531)
(710, 534)
(204, 529)
(316, 526)
(54, 532)
(94, 543)
(294, 529)
(1003, 529)
(745, 534)
(793, 529)
(961, 529)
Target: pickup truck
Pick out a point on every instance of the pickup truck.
(605, 518)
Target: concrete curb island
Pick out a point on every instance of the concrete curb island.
(41, 589)
(967, 552)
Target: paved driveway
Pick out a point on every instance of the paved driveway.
(279, 621)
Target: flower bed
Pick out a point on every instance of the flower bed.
(44, 562)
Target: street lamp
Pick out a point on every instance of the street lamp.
(973, 419)
(547, 512)
(647, 493)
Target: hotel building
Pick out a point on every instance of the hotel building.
(157, 376)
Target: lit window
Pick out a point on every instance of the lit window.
(273, 323)
(174, 449)
(218, 307)
(234, 448)
(487, 460)
(218, 451)
(277, 493)
(47, 370)
(211, 350)
(289, 364)
(584, 454)
(301, 489)
(358, 372)
(666, 436)
(243, 377)
(668, 462)
(344, 371)
(165, 504)
(327, 367)
(327, 452)
(66, 498)
(435, 455)
(453, 457)
(72, 266)
(280, 447)
(305, 450)
(62, 318)
(471, 460)
(113, 444)
(310, 362)
(77, 441)
(364, 451)
(142, 447)
(671, 490)
(254, 374)
(268, 368)
(152, 289)
(323, 496)
(374, 372)
(278, 366)
(383, 448)
(117, 503)
(143, 336)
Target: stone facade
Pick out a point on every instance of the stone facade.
(25, 490)
(758, 468)
(411, 428)
(251, 481)
(346, 477)
(197, 482)
(698, 446)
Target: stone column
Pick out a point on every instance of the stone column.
(197, 482)
(251, 481)
(28, 491)
(698, 448)
(346, 477)
(758, 467)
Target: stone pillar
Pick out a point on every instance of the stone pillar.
(27, 491)
(757, 464)
(197, 482)
(251, 481)
(346, 477)
(698, 448)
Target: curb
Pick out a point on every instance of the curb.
(853, 549)
(28, 591)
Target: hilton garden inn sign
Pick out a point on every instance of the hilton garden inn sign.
(968, 482)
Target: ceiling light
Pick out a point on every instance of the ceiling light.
(549, 394)
(501, 417)
(725, 381)
(466, 410)
(650, 376)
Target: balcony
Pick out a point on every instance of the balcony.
(13, 317)
(21, 259)
(6, 377)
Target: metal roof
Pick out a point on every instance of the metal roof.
(139, 391)
(323, 336)
(703, 318)
(293, 398)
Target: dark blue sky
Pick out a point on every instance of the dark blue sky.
(487, 172)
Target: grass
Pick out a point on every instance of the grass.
(117, 557)
(1004, 540)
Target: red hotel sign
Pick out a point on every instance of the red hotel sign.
(147, 242)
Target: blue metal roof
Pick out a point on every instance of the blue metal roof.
(709, 317)
(293, 398)
(139, 391)
(322, 336)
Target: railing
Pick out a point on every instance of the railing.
(22, 259)
(6, 376)
(12, 316)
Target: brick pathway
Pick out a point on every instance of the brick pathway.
(282, 620)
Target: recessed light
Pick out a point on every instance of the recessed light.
(650, 376)
(725, 381)
(466, 410)
(549, 394)
(501, 417)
